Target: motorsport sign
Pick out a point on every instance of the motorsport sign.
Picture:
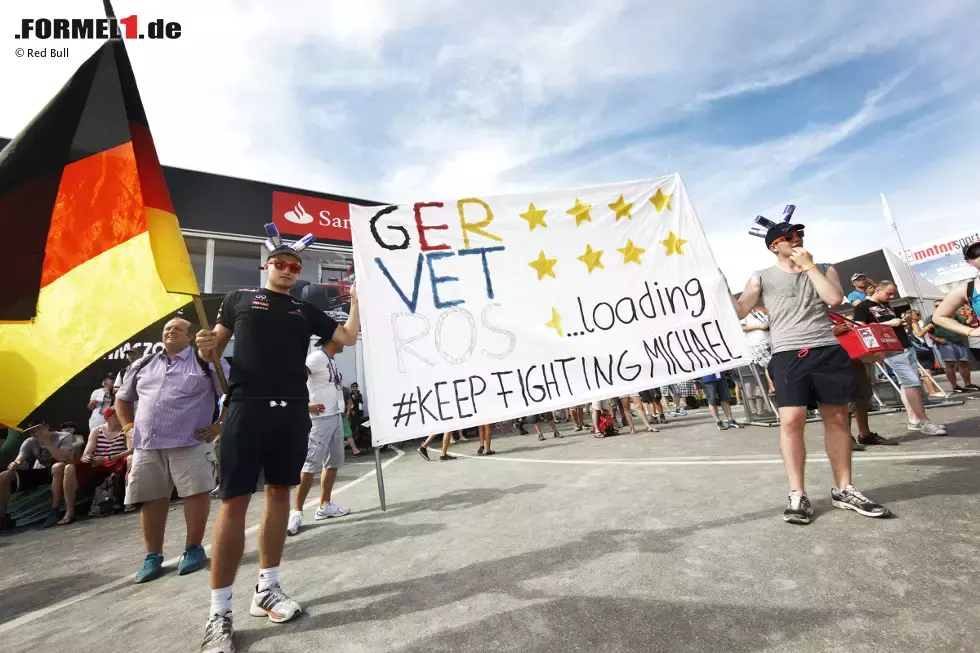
(481, 309)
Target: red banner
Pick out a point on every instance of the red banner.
(298, 215)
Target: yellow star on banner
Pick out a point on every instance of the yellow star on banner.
(631, 253)
(621, 208)
(673, 244)
(544, 266)
(581, 212)
(660, 201)
(555, 322)
(592, 258)
(534, 217)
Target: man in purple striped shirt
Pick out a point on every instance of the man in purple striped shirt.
(172, 435)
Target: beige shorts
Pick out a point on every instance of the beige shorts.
(155, 473)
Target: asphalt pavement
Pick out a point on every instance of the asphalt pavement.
(671, 541)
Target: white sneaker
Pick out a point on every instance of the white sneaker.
(295, 521)
(331, 509)
(931, 428)
(274, 603)
(218, 635)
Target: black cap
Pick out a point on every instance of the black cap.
(781, 230)
(284, 250)
(972, 250)
(35, 424)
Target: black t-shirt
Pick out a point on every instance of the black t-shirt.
(871, 312)
(272, 337)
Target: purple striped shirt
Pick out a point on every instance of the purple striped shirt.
(175, 399)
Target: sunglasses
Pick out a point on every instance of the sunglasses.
(972, 252)
(788, 237)
(295, 268)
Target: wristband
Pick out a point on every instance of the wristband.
(127, 426)
(809, 267)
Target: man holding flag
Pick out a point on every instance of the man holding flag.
(266, 429)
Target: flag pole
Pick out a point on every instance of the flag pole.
(202, 319)
(890, 221)
(381, 481)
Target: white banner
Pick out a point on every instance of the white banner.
(481, 309)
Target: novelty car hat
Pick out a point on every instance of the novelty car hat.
(770, 231)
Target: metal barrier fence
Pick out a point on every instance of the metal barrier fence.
(760, 404)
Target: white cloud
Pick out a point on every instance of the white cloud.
(398, 99)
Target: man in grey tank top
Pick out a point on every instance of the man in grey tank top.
(808, 367)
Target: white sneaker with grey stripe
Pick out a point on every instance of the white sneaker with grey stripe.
(218, 633)
(274, 603)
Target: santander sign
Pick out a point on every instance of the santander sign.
(298, 215)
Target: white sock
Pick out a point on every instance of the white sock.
(221, 601)
(268, 578)
(295, 512)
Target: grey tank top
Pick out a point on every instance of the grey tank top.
(798, 318)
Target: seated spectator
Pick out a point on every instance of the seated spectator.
(41, 461)
(107, 452)
(68, 426)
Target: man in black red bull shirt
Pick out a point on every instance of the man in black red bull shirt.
(266, 428)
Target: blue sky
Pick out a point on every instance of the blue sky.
(756, 104)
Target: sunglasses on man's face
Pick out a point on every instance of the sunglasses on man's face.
(973, 252)
(788, 238)
(295, 268)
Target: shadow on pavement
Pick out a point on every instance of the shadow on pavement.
(957, 477)
(590, 623)
(512, 576)
(455, 500)
(354, 537)
(34, 595)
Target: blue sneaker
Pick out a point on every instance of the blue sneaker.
(192, 560)
(152, 568)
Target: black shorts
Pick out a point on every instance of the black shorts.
(650, 396)
(865, 394)
(716, 392)
(28, 479)
(824, 375)
(259, 437)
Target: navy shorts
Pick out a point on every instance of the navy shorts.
(716, 392)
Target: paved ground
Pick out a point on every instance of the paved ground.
(663, 542)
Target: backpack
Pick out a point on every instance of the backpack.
(108, 497)
(607, 424)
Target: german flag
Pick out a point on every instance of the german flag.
(94, 249)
